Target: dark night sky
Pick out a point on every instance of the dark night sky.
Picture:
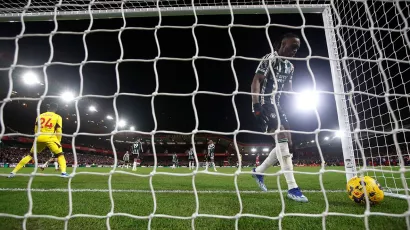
(173, 113)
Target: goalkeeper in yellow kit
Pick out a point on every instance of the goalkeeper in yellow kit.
(50, 137)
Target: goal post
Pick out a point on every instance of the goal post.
(339, 94)
(98, 10)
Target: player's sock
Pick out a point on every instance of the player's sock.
(22, 162)
(56, 165)
(134, 166)
(285, 160)
(268, 162)
(62, 163)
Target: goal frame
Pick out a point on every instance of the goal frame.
(324, 9)
(339, 94)
(165, 11)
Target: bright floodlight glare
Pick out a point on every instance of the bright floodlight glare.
(67, 96)
(265, 149)
(30, 78)
(307, 100)
(92, 109)
(109, 117)
(313, 141)
(122, 123)
(339, 133)
(132, 128)
(326, 138)
(253, 150)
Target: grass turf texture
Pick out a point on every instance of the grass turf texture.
(175, 196)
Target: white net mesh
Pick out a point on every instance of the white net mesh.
(373, 44)
(376, 48)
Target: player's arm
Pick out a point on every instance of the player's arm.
(288, 87)
(256, 87)
(260, 74)
(59, 128)
(288, 84)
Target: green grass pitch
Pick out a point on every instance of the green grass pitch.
(174, 196)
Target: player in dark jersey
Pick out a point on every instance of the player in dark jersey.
(126, 159)
(191, 159)
(136, 150)
(211, 155)
(274, 74)
(174, 161)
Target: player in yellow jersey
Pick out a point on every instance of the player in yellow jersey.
(50, 137)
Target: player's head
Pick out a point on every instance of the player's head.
(52, 107)
(210, 142)
(288, 45)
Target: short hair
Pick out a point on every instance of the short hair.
(53, 107)
(278, 42)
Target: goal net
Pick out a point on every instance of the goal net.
(368, 49)
(373, 43)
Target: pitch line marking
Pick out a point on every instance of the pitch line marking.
(156, 191)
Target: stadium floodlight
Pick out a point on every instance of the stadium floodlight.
(326, 138)
(253, 150)
(109, 117)
(312, 141)
(92, 109)
(307, 100)
(67, 96)
(122, 123)
(30, 78)
(265, 149)
(132, 128)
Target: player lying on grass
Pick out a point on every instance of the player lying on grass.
(50, 136)
(268, 75)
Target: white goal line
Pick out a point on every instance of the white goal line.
(156, 191)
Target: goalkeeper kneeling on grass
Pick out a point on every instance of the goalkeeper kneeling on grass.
(276, 71)
(50, 137)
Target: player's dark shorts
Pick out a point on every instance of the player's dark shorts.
(191, 158)
(211, 156)
(270, 122)
(135, 155)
